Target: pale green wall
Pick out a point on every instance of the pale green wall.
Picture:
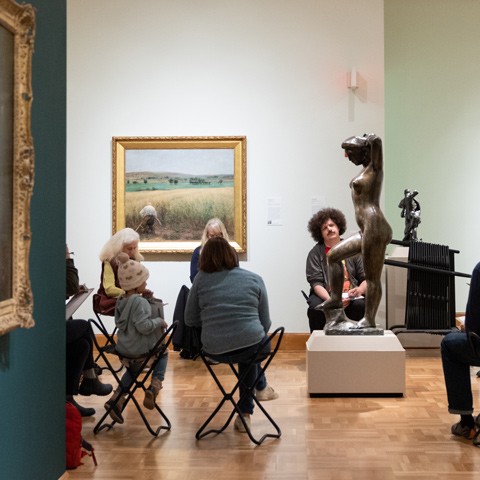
(432, 115)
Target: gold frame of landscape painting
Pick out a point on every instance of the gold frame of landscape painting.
(17, 32)
(167, 188)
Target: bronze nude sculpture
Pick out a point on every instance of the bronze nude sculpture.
(371, 240)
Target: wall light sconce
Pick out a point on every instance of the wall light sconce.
(352, 80)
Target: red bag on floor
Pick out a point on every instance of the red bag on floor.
(75, 446)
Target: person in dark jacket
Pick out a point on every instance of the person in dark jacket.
(213, 228)
(81, 378)
(326, 227)
(459, 351)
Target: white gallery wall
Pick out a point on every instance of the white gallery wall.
(272, 70)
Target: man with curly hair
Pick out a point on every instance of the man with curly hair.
(326, 226)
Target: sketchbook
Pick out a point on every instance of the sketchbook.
(74, 302)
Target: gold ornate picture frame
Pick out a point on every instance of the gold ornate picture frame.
(17, 33)
(187, 181)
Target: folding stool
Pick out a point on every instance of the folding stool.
(274, 339)
(140, 376)
(109, 339)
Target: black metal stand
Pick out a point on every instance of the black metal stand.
(430, 298)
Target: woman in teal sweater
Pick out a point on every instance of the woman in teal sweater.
(230, 305)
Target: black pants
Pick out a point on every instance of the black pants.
(316, 318)
(79, 351)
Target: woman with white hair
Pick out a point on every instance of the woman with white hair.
(126, 241)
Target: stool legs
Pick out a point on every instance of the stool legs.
(140, 372)
(263, 355)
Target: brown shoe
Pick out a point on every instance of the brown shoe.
(115, 410)
(151, 393)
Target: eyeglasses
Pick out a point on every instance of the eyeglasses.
(216, 234)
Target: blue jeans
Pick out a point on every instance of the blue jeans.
(158, 372)
(243, 357)
(457, 357)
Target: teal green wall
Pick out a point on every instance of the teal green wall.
(432, 119)
(32, 362)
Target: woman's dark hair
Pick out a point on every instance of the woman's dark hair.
(316, 222)
(217, 254)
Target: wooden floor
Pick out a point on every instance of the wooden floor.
(322, 438)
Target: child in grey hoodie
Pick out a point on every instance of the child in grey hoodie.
(138, 332)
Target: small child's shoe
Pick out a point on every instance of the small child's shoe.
(149, 400)
(151, 393)
(115, 411)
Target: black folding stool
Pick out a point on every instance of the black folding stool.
(109, 336)
(109, 340)
(274, 339)
(140, 376)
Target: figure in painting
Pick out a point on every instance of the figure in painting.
(372, 239)
(411, 212)
(149, 220)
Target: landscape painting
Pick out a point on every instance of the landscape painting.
(167, 188)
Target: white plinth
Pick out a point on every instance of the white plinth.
(396, 291)
(351, 364)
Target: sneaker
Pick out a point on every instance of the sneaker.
(238, 424)
(114, 410)
(93, 386)
(268, 393)
(84, 411)
(464, 431)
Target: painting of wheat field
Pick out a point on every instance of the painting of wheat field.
(169, 194)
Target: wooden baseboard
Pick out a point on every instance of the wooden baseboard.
(294, 341)
(291, 341)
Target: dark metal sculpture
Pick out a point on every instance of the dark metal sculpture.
(411, 212)
(371, 240)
